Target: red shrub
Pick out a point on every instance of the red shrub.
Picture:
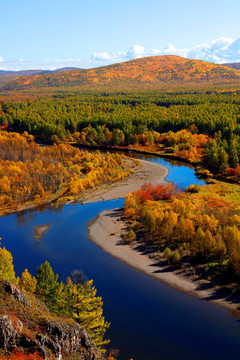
(17, 355)
(230, 172)
(142, 196)
(159, 192)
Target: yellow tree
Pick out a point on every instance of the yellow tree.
(184, 229)
(197, 241)
(28, 282)
(168, 224)
(220, 249)
(6, 265)
(208, 245)
(87, 309)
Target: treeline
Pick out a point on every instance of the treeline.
(76, 299)
(133, 113)
(137, 120)
(202, 222)
(31, 172)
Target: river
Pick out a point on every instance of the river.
(149, 320)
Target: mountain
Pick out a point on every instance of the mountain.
(6, 75)
(233, 65)
(19, 73)
(64, 69)
(154, 71)
(32, 72)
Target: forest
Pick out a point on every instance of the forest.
(200, 225)
(41, 142)
(198, 126)
(201, 127)
(31, 173)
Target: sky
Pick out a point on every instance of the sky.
(50, 34)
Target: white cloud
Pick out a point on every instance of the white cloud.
(215, 51)
(219, 51)
(136, 51)
(69, 60)
(101, 56)
(170, 50)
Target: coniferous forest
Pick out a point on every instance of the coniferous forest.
(200, 126)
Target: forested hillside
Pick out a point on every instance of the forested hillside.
(148, 72)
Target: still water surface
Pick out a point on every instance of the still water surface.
(149, 320)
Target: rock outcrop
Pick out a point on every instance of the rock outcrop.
(27, 325)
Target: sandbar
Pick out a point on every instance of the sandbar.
(145, 173)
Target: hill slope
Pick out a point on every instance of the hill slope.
(153, 71)
(27, 326)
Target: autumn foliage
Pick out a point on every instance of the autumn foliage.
(151, 71)
(204, 224)
(76, 300)
(29, 172)
(18, 355)
(199, 126)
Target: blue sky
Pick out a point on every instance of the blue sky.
(52, 34)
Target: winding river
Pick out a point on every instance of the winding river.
(149, 320)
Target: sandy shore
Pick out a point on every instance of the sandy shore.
(147, 172)
(107, 230)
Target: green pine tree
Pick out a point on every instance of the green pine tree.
(222, 160)
(233, 155)
(47, 286)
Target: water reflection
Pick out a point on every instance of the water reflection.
(40, 230)
(24, 217)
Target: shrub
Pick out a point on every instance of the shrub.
(130, 236)
(175, 258)
(193, 188)
(136, 225)
(167, 253)
(203, 173)
(170, 150)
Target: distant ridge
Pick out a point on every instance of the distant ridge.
(233, 65)
(20, 72)
(6, 76)
(154, 71)
(33, 72)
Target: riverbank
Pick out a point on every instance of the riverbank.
(142, 171)
(145, 173)
(107, 230)
(13, 209)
